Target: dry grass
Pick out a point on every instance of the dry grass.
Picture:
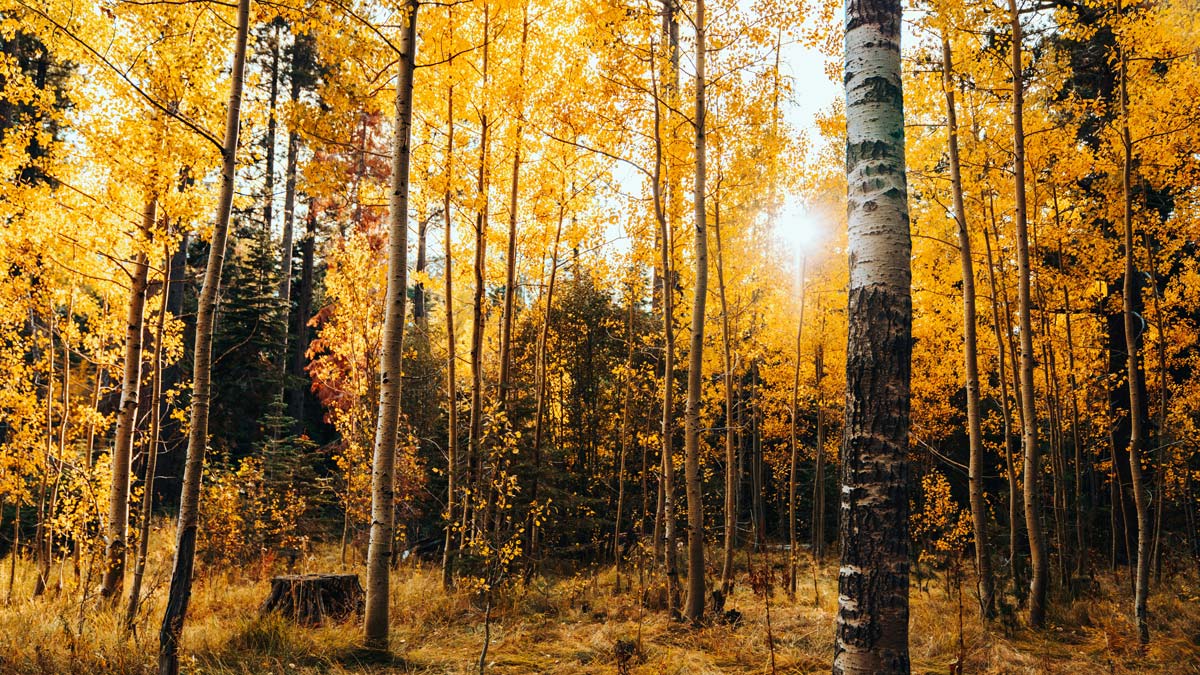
(569, 626)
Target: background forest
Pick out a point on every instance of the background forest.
(535, 316)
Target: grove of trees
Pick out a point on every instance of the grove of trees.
(514, 288)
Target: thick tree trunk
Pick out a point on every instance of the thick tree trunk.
(131, 384)
(872, 619)
(983, 553)
(152, 450)
(1037, 541)
(189, 502)
(452, 473)
(383, 514)
(1137, 406)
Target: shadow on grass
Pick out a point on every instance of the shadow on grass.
(359, 657)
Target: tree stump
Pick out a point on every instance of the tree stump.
(310, 599)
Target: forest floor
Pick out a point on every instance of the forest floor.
(572, 625)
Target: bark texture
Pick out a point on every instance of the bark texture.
(313, 599)
(872, 619)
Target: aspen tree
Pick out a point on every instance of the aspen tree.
(383, 514)
(189, 501)
(131, 384)
(872, 618)
(1038, 557)
(983, 555)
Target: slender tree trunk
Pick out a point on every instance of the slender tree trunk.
(695, 599)
(626, 420)
(1076, 441)
(288, 247)
(1029, 436)
(476, 459)
(289, 206)
(793, 464)
(539, 422)
(152, 450)
(1137, 435)
(97, 386)
(730, 446)
(983, 553)
(189, 502)
(269, 142)
(818, 507)
(131, 384)
(664, 191)
(510, 273)
(1163, 392)
(872, 619)
(304, 295)
(41, 534)
(391, 362)
(452, 473)
(1010, 449)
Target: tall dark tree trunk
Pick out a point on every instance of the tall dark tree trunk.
(731, 468)
(189, 502)
(304, 294)
(452, 468)
(626, 422)
(818, 505)
(872, 619)
(269, 141)
(793, 464)
(539, 420)
(475, 459)
(695, 598)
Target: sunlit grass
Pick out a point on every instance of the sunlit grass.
(566, 625)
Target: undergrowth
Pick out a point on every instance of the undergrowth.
(572, 624)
